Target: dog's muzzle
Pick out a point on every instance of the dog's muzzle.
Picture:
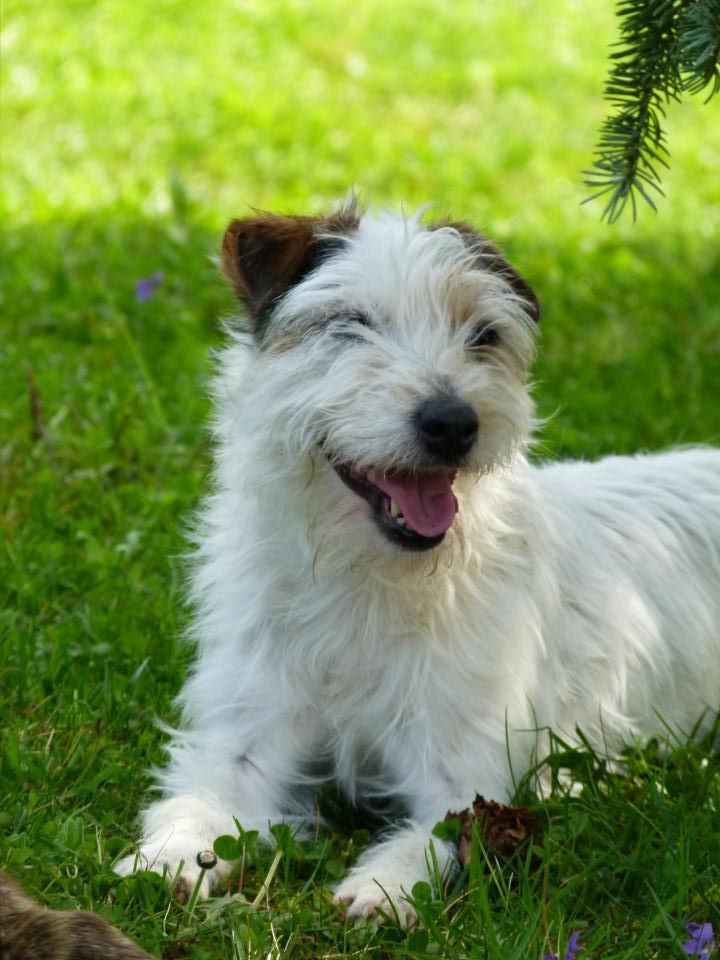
(415, 509)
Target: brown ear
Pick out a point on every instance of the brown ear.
(264, 256)
(493, 260)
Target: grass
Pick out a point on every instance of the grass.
(130, 134)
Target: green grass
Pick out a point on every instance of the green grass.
(130, 133)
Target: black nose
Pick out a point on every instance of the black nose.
(447, 427)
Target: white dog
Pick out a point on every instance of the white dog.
(384, 584)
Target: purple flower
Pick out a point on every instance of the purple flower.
(573, 945)
(146, 287)
(702, 940)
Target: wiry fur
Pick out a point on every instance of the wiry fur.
(572, 594)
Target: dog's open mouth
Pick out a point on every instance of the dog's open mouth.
(413, 510)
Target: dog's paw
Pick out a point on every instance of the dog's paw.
(178, 842)
(383, 879)
(364, 896)
(185, 867)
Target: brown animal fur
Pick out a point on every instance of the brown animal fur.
(263, 256)
(29, 932)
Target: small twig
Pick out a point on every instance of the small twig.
(39, 430)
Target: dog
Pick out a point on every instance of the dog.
(387, 593)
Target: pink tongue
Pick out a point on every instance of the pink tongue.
(426, 501)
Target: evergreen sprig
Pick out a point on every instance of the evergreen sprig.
(666, 48)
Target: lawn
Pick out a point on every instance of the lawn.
(131, 132)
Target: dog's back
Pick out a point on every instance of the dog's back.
(635, 543)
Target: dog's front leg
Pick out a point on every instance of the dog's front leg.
(384, 876)
(207, 786)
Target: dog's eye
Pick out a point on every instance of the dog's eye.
(344, 326)
(486, 336)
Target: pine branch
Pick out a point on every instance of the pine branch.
(666, 48)
(699, 47)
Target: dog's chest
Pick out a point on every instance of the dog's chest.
(348, 640)
(398, 665)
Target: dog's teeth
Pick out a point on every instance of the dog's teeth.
(401, 522)
(394, 509)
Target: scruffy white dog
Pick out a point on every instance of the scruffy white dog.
(384, 586)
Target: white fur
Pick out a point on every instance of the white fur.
(571, 594)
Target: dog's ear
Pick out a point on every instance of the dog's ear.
(265, 255)
(492, 259)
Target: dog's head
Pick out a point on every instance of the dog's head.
(393, 353)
